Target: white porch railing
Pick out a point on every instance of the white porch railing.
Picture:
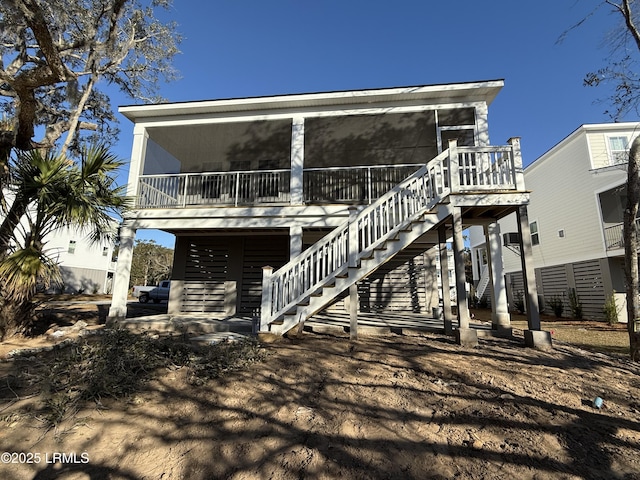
(480, 168)
(497, 167)
(361, 184)
(613, 235)
(223, 188)
(357, 185)
(488, 168)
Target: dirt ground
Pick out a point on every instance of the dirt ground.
(412, 406)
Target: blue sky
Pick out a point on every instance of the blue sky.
(244, 48)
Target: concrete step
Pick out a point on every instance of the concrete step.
(187, 325)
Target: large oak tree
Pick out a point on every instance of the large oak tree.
(55, 56)
(54, 53)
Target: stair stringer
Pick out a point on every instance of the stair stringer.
(334, 286)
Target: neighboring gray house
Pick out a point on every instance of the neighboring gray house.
(576, 213)
(329, 190)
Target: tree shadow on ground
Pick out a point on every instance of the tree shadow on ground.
(385, 407)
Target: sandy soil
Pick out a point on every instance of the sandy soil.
(400, 406)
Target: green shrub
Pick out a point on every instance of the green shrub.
(610, 309)
(574, 304)
(556, 304)
(519, 302)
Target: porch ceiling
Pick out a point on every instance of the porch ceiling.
(228, 232)
(483, 213)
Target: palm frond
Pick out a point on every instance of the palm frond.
(66, 194)
(23, 270)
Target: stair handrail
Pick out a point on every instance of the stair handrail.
(347, 243)
(476, 168)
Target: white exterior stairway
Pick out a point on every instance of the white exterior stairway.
(483, 283)
(312, 280)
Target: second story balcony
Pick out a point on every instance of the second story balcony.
(614, 235)
(479, 169)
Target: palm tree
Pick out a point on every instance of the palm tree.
(48, 192)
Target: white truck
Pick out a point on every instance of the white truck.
(155, 293)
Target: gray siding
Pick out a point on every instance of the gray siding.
(587, 278)
(224, 274)
(515, 287)
(204, 276)
(590, 288)
(398, 285)
(87, 280)
(257, 253)
(553, 282)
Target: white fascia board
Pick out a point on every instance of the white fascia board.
(473, 91)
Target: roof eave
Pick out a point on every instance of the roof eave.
(478, 91)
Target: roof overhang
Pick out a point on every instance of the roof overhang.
(482, 91)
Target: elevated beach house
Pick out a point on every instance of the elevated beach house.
(284, 206)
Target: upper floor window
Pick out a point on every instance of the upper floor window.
(72, 247)
(105, 251)
(618, 149)
(535, 236)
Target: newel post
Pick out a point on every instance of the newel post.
(518, 172)
(454, 166)
(267, 298)
(353, 243)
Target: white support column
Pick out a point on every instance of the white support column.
(444, 281)
(454, 166)
(464, 334)
(476, 265)
(267, 298)
(352, 238)
(295, 241)
(482, 125)
(500, 318)
(518, 170)
(297, 161)
(118, 309)
(430, 275)
(353, 312)
(136, 164)
(534, 336)
(458, 258)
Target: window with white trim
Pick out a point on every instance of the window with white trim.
(535, 236)
(618, 149)
(72, 247)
